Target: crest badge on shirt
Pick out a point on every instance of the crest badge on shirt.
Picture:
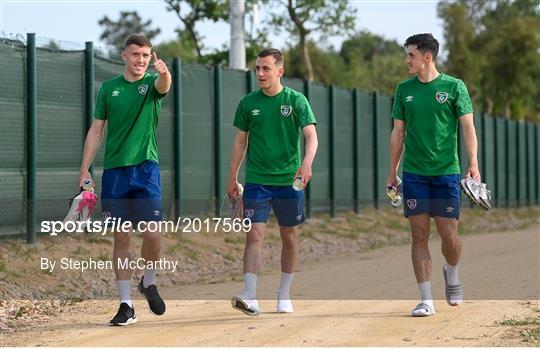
(142, 89)
(441, 97)
(286, 110)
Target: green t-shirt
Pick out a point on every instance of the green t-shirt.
(131, 110)
(431, 112)
(274, 124)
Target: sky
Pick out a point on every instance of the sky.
(77, 20)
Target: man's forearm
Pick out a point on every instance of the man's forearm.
(396, 150)
(310, 149)
(471, 145)
(237, 156)
(91, 147)
(163, 82)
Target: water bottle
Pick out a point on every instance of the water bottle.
(87, 185)
(394, 195)
(297, 184)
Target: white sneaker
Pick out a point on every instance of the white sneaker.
(284, 306)
(422, 310)
(247, 306)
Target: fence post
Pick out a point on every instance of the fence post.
(332, 128)
(496, 160)
(375, 150)
(217, 136)
(88, 91)
(527, 166)
(31, 138)
(177, 110)
(356, 125)
(537, 162)
(507, 160)
(307, 93)
(249, 81)
(483, 160)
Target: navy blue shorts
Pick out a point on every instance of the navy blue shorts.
(287, 203)
(437, 195)
(132, 193)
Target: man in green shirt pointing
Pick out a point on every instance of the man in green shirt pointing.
(129, 105)
(428, 109)
(270, 120)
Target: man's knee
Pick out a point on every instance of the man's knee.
(255, 235)
(122, 241)
(289, 236)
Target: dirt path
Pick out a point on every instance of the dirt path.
(364, 300)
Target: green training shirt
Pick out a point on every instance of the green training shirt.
(131, 110)
(274, 125)
(431, 112)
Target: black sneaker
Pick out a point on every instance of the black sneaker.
(155, 302)
(125, 316)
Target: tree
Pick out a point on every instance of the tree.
(116, 32)
(197, 10)
(304, 17)
(373, 62)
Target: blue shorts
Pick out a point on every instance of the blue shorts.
(132, 193)
(437, 195)
(287, 203)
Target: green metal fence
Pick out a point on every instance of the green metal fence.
(47, 98)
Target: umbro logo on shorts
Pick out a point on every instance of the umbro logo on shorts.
(449, 209)
(156, 213)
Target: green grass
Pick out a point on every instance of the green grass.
(531, 334)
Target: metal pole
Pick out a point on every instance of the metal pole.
(177, 109)
(356, 145)
(217, 136)
(31, 138)
(332, 130)
(237, 53)
(375, 150)
(88, 91)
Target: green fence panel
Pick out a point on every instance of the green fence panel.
(488, 172)
(384, 128)
(233, 88)
(320, 189)
(165, 135)
(295, 84)
(522, 164)
(501, 157)
(478, 125)
(197, 139)
(60, 130)
(532, 180)
(537, 162)
(344, 150)
(512, 164)
(365, 151)
(12, 139)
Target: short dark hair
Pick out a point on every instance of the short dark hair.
(274, 52)
(138, 39)
(424, 43)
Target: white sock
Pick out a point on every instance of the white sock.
(425, 293)
(452, 274)
(149, 277)
(124, 287)
(285, 285)
(250, 285)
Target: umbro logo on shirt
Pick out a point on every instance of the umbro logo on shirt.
(409, 98)
(115, 93)
(255, 112)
